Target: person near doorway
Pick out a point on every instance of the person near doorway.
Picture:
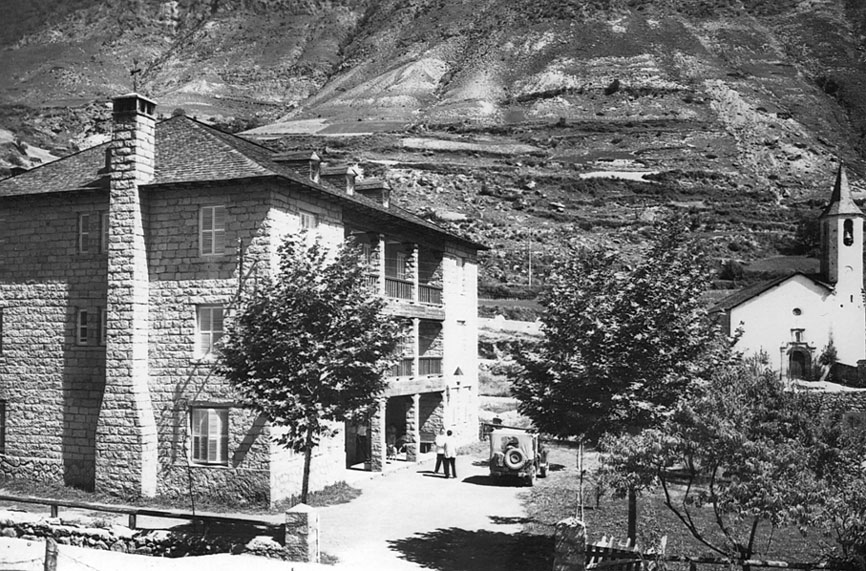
(450, 455)
(361, 442)
(439, 443)
(391, 442)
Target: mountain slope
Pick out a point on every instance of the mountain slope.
(492, 116)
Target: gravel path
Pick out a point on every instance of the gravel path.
(414, 519)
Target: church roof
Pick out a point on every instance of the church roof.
(188, 151)
(841, 203)
(738, 298)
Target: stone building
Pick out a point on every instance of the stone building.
(118, 267)
(794, 318)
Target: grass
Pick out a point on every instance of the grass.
(493, 385)
(556, 497)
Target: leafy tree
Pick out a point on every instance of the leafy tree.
(624, 339)
(744, 453)
(838, 461)
(310, 347)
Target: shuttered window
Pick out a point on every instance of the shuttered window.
(82, 329)
(84, 233)
(212, 235)
(209, 329)
(210, 435)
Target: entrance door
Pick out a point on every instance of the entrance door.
(798, 364)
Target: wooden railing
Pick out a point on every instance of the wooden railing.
(405, 368)
(133, 512)
(430, 294)
(399, 289)
(430, 366)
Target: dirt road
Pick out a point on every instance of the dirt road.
(413, 519)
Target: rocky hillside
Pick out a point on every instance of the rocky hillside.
(527, 124)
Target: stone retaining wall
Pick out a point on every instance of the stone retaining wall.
(93, 533)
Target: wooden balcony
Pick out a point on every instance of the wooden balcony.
(404, 368)
(430, 366)
(431, 295)
(399, 289)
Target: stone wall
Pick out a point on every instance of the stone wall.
(52, 386)
(431, 414)
(96, 534)
(326, 466)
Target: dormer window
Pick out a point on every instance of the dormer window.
(848, 232)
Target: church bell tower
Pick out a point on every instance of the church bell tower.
(842, 240)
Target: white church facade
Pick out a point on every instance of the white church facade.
(795, 318)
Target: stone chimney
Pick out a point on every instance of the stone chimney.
(301, 161)
(126, 440)
(342, 177)
(375, 189)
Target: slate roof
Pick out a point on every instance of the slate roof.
(745, 294)
(188, 151)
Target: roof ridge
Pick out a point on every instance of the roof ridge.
(226, 139)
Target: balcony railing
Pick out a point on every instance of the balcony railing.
(430, 294)
(399, 289)
(404, 368)
(430, 366)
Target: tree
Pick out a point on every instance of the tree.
(743, 452)
(624, 340)
(311, 346)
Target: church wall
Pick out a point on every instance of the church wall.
(768, 320)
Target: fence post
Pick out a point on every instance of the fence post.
(302, 534)
(50, 555)
(570, 551)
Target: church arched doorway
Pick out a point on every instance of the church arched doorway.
(799, 363)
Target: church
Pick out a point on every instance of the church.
(797, 318)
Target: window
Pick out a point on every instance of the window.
(210, 435)
(398, 266)
(103, 232)
(212, 223)
(83, 233)
(848, 232)
(209, 329)
(81, 329)
(101, 324)
(309, 221)
(367, 254)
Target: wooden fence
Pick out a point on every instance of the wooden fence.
(133, 512)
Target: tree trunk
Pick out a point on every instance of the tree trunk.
(632, 515)
(308, 455)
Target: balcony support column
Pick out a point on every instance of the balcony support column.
(413, 429)
(380, 263)
(416, 346)
(416, 274)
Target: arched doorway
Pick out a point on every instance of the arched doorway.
(799, 363)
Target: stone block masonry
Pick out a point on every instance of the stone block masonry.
(126, 435)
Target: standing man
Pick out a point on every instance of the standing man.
(450, 455)
(439, 442)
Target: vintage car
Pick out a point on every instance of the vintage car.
(517, 453)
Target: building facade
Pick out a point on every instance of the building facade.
(795, 318)
(120, 265)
